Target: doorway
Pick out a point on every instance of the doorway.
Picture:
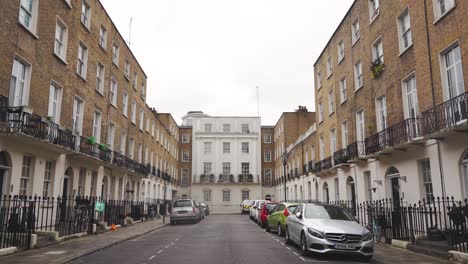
(350, 184)
(393, 176)
(67, 183)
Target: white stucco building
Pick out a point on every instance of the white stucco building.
(226, 160)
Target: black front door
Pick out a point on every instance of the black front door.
(395, 183)
(2, 171)
(65, 187)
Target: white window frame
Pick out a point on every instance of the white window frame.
(82, 60)
(321, 148)
(55, 102)
(207, 195)
(185, 156)
(358, 76)
(97, 125)
(245, 128)
(207, 147)
(123, 142)
(226, 128)
(226, 169)
(344, 134)
(125, 103)
(208, 128)
(410, 93)
(111, 135)
(456, 68)
(207, 168)
(133, 111)
(103, 37)
(48, 178)
(343, 91)
(329, 67)
(32, 12)
(360, 126)
(113, 91)
(403, 31)
(355, 31)
(267, 138)
(127, 69)
(185, 138)
(27, 175)
(141, 119)
(332, 141)
(115, 54)
(331, 103)
(341, 51)
(85, 14)
(226, 196)
(61, 39)
(381, 113)
(100, 78)
(226, 147)
(245, 147)
(319, 80)
(267, 156)
(320, 106)
(438, 12)
(20, 82)
(378, 51)
(374, 10)
(77, 115)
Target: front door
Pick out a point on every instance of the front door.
(65, 186)
(2, 171)
(395, 185)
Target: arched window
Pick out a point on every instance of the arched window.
(464, 173)
(5, 172)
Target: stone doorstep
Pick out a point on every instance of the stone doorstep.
(7, 251)
(458, 256)
(422, 249)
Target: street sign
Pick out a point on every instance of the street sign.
(99, 207)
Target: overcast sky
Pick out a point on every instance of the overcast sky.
(210, 55)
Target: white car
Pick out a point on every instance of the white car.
(253, 209)
(323, 228)
(258, 210)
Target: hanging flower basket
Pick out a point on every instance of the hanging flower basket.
(102, 146)
(377, 68)
(92, 140)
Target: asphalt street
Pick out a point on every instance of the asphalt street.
(217, 239)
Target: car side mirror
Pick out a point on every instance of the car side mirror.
(255, 207)
(299, 215)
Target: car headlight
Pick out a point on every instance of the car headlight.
(315, 233)
(367, 236)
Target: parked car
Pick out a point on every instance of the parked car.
(245, 206)
(253, 209)
(185, 210)
(206, 208)
(256, 215)
(277, 218)
(266, 209)
(323, 228)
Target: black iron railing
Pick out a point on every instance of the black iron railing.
(340, 156)
(445, 115)
(356, 150)
(324, 164)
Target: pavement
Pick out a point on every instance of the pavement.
(217, 239)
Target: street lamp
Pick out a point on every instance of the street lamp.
(164, 198)
(285, 161)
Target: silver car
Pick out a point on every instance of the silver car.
(323, 228)
(185, 210)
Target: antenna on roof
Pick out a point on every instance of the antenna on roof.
(258, 105)
(130, 33)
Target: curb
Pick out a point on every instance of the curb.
(458, 257)
(400, 243)
(88, 252)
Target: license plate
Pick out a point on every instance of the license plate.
(182, 212)
(344, 246)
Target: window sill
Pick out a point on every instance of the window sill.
(127, 77)
(330, 114)
(113, 105)
(115, 64)
(68, 4)
(101, 93)
(103, 48)
(359, 88)
(86, 27)
(444, 15)
(355, 41)
(375, 16)
(340, 60)
(60, 58)
(329, 75)
(82, 77)
(344, 101)
(405, 50)
(133, 123)
(29, 30)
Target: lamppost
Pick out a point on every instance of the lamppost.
(285, 161)
(164, 198)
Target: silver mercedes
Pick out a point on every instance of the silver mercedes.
(323, 228)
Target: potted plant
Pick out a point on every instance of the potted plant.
(377, 67)
(102, 146)
(92, 140)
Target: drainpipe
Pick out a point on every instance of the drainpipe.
(439, 154)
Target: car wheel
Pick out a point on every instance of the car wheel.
(304, 251)
(287, 240)
(279, 231)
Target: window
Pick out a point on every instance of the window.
(135, 79)
(131, 148)
(208, 128)
(344, 134)
(226, 196)
(321, 148)
(410, 98)
(55, 102)
(452, 72)
(226, 147)
(207, 195)
(358, 78)
(185, 138)
(19, 87)
(331, 103)
(207, 168)
(320, 112)
(267, 156)
(93, 186)
(360, 132)
(143, 92)
(78, 107)
(123, 142)
(81, 181)
(140, 152)
(368, 185)
(442, 7)
(110, 135)
(97, 126)
(404, 30)
(319, 80)
(127, 69)
(226, 128)
(381, 108)
(207, 147)
(142, 119)
(226, 169)
(245, 195)
(26, 175)
(332, 141)
(245, 128)
(329, 67)
(147, 124)
(103, 37)
(133, 112)
(61, 40)
(184, 177)
(267, 173)
(113, 92)
(28, 14)
(377, 51)
(85, 14)
(337, 189)
(125, 103)
(48, 176)
(245, 147)
(185, 156)
(115, 54)
(82, 61)
(343, 95)
(426, 179)
(341, 51)
(355, 30)
(374, 9)
(267, 138)
(100, 75)
(245, 168)
(145, 160)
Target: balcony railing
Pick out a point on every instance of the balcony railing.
(311, 166)
(324, 164)
(223, 178)
(245, 178)
(399, 133)
(341, 156)
(445, 115)
(296, 173)
(356, 150)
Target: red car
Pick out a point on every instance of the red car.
(265, 211)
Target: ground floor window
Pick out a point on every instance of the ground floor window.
(245, 195)
(226, 196)
(427, 179)
(207, 195)
(464, 173)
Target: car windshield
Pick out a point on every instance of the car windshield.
(313, 211)
(270, 206)
(186, 203)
